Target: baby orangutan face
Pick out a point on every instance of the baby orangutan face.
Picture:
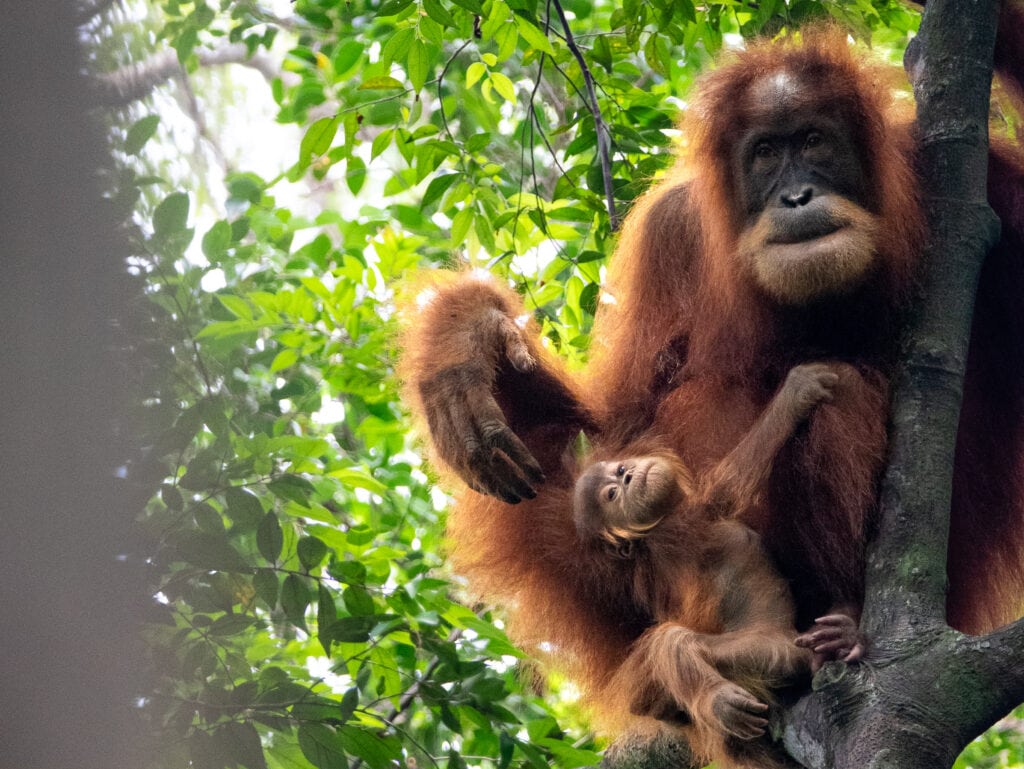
(622, 500)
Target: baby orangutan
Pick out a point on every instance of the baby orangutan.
(722, 634)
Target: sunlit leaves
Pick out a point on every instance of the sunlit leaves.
(296, 539)
(419, 62)
(140, 132)
(317, 139)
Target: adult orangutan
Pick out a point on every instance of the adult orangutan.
(789, 231)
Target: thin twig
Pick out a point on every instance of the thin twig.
(603, 136)
(397, 713)
(440, 82)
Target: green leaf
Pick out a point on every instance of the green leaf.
(207, 550)
(418, 64)
(347, 56)
(295, 599)
(171, 497)
(534, 756)
(322, 746)
(318, 139)
(602, 52)
(507, 37)
(589, 297)
(356, 478)
(438, 13)
(287, 358)
(208, 519)
(356, 174)
(202, 472)
(231, 624)
(450, 718)
(269, 538)
(474, 72)
(243, 507)
(292, 488)
(353, 629)
(358, 601)
(393, 7)
(267, 586)
(478, 142)
(326, 615)
(568, 756)
(377, 751)
(534, 37)
(461, 223)
(381, 142)
(504, 86)
(171, 215)
(381, 83)
(217, 240)
(236, 305)
(311, 551)
(140, 133)
(242, 743)
(350, 572)
(507, 747)
(396, 48)
(349, 703)
(437, 187)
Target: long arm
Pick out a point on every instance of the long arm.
(642, 329)
(734, 483)
(498, 410)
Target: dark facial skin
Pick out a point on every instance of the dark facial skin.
(626, 497)
(801, 188)
(787, 164)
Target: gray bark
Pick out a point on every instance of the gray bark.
(136, 81)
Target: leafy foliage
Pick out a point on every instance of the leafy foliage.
(303, 616)
(1001, 747)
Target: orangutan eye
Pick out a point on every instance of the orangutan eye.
(620, 470)
(610, 494)
(814, 139)
(764, 150)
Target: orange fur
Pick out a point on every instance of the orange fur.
(722, 616)
(687, 353)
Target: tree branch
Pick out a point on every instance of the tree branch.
(603, 136)
(1001, 663)
(951, 69)
(950, 66)
(134, 82)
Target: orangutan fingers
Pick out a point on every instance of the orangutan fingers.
(748, 727)
(856, 653)
(515, 347)
(836, 620)
(505, 440)
(810, 384)
(810, 640)
(739, 713)
(840, 647)
(497, 435)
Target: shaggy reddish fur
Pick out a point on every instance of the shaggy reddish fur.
(686, 355)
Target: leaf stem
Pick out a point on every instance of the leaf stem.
(603, 136)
